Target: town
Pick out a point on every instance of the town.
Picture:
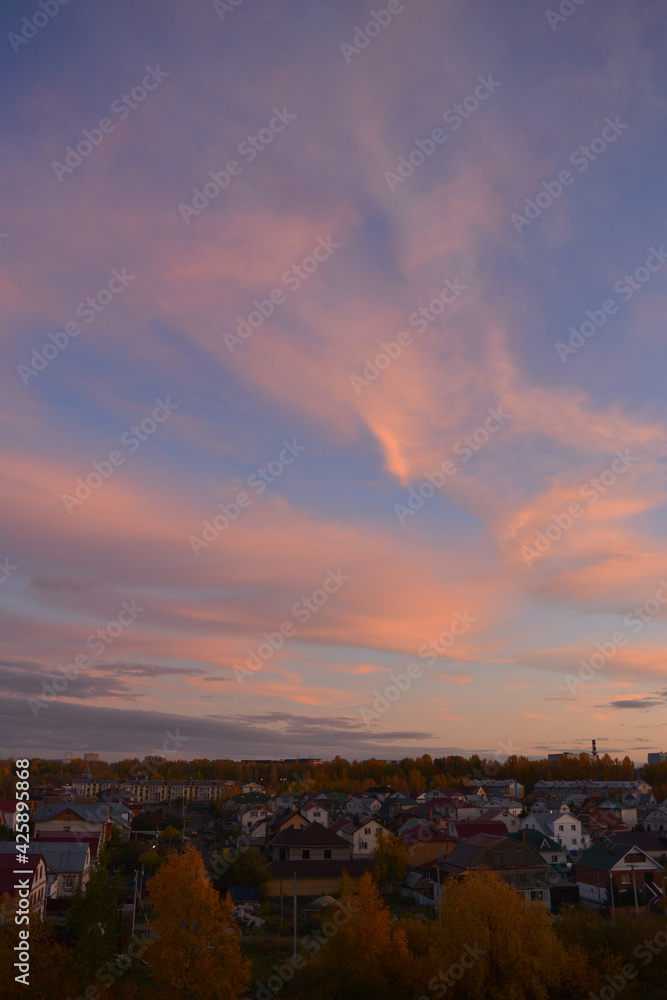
(290, 845)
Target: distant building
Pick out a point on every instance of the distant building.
(657, 758)
(91, 757)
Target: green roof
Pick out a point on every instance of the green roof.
(604, 855)
(540, 841)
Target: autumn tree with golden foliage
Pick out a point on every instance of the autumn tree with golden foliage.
(391, 855)
(197, 954)
(490, 943)
(366, 955)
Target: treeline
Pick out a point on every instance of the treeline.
(411, 774)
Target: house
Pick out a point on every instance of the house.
(72, 837)
(35, 876)
(361, 805)
(549, 850)
(561, 826)
(293, 819)
(419, 889)
(315, 813)
(85, 817)
(7, 812)
(249, 816)
(252, 786)
(470, 827)
(314, 878)
(655, 821)
(518, 864)
(362, 834)
(310, 843)
(499, 815)
(653, 844)
(67, 865)
(426, 845)
(626, 864)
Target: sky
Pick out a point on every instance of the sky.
(333, 378)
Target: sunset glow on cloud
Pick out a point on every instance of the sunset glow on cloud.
(273, 437)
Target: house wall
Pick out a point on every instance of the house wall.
(317, 853)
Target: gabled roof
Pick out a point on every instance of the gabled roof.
(70, 837)
(58, 857)
(470, 827)
(88, 812)
(313, 835)
(605, 855)
(538, 840)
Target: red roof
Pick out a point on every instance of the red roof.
(75, 836)
(8, 867)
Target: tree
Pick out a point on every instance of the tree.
(366, 956)
(490, 943)
(170, 835)
(250, 870)
(94, 919)
(390, 856)
(197, 953)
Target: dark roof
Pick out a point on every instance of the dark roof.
(642, 839)
(540, 841)
(313, 835)
(7, 877)
(604, 854)
(320, 869)
(498, 853)
(470, 827)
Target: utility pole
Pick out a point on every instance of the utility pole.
(611, 896)
(281, 904)
(634, 886)
(295, 916)
(134, 900)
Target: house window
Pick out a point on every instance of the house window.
(363, 844)
(561, 827)
(554, 857)
(66, 829)
(574, 840)
(573, 828)
(305, 855)
(537, 895)
(327, 855)
(69, 882)
(367, 830)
